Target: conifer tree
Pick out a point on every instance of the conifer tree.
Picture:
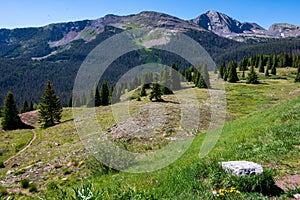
(205, 75)
(97, 98)
(201, 83)
(232, 74)
(252, 76)
(11, 119)
(267, 72)
(104, 94)
(31, 108)
(222, 70)
(143, 91)
(50, 107)
(156, 93)
(261, 67)
(70, 101)
(25, 108)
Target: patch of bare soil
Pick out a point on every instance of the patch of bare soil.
(30, 118)
(289, 182)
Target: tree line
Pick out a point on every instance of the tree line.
(266, 64)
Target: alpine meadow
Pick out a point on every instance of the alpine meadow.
(149, 105)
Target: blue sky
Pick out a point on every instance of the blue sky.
(28, 13)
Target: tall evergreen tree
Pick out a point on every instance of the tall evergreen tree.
(31, 108)
(11, 119)
(252, 76)
(143, 91)
(201, 83)
(222, 70)
(261, 67)
(70, 101)
(50, 107)
(267, 71)
(156, 92)
(97, 98)
(205, 75)
(25, 108)
(232, 74)
(104, 94)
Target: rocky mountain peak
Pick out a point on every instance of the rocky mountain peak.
(223, 25)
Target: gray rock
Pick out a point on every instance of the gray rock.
(242, 168)
(297, 196)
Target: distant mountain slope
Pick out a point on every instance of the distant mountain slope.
(225, 26)
(31, 56)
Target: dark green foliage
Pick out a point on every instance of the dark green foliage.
(24, 183)
(52, 186)
(205, 75)
(261, 66)
(97, 98)
(156, 92)
(232, 74)
(143, 91)
(33, 187)
(70, 102)
(11, 119)
(31, 107)
(2, 164)
(104, 94)
(243, 64)
(3, 191)
(252, 77)
(222, 70)
(50, 107)
(25, 108)
(267, 72)
(297, 79)
(273, 70)
(201, 82)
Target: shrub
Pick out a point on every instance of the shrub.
(33, 187)
(3, 191)
(66, 171)
(24, 183)
(2, 164)
(51, 186)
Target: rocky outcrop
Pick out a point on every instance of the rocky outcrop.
(284, 30)
(225, 26)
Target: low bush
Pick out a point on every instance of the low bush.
(24, 183)
(33, 187)
(3, 191)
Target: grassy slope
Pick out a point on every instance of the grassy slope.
(270, 137)
(258, 141)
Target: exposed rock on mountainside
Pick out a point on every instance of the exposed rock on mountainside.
(224, 25)
(284, 30)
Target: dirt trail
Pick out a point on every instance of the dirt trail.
(24, 149)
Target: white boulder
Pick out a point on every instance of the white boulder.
(242, 168)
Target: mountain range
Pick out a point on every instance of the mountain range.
(45, 41)
(225, 26)
(31, 56)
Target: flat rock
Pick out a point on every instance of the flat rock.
(242, 168)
